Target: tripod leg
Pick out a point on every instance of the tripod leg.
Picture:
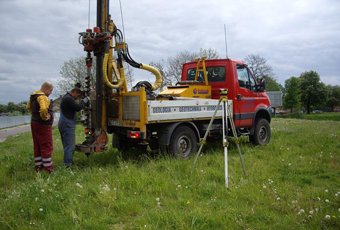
(232, 124)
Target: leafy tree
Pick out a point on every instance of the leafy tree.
(3, 108)
(313, 92)
(333, 98)
(272, 84)
(293, 94)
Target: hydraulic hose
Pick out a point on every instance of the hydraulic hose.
(121, 80)
(159, 78)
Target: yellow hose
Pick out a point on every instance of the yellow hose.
(121, 80)
(159, 78)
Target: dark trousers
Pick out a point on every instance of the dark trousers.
(67, 129)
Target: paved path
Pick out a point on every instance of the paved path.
(4, 133)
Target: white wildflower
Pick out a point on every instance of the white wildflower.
(327, 217)
(104, 188)
(301, 211)
(326, 190)
(311, 212)
(158, 199)
(79, 185)
(264, 186)
(327, 201)
(41, 209)
(42, 190)
(278, 198)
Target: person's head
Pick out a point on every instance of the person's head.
(46, 88)
(76, 93)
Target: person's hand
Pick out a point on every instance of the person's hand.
(48, 116)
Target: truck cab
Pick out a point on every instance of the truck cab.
(251, 106)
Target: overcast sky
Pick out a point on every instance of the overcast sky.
(37, 36)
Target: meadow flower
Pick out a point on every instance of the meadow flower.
(311, 212)
(104, 188)
(278, 198)
(158, 202)
(41, 209)
(79, 185)
(327, 201)
(326, 190)
(42, 190)
(327, 217)
(301, 211)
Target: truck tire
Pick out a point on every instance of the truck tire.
(120, 142)
(183, 142)
(261, 134)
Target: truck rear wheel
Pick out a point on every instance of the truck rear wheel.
(183, 142)
(120, 142)
(261, 134)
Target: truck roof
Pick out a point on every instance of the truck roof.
(219, 60)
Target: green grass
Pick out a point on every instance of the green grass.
(335, 116)
(292, 183)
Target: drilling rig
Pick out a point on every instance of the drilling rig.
(176, 119)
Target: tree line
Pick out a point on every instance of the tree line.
(13, 109)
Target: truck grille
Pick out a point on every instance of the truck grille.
(131, 108)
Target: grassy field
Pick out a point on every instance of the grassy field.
(292, 183)
(314, 116)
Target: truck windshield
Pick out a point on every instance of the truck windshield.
(214, 73)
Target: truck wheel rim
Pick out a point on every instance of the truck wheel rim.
(183, 145)
(263, 133)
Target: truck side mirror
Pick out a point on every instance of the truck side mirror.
(262, 85)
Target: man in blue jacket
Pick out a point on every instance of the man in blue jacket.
(67, 122)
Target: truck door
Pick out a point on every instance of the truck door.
(245, 101)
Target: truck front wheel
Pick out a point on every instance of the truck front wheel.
(261, 134)
(183, 142)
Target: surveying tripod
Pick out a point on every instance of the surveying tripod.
(226, 114)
